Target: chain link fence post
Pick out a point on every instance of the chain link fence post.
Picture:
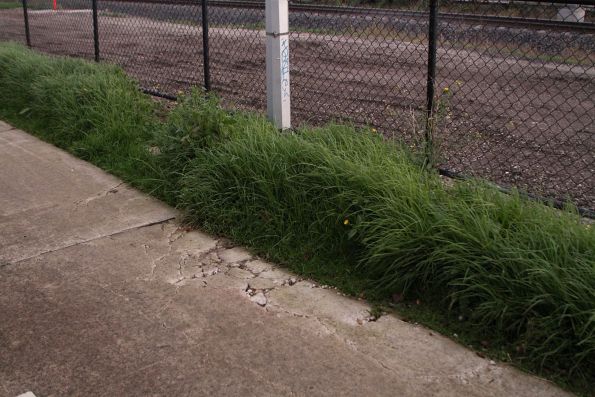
(95, 30)
(26, 17)
(430, 85)
(205, 45)
(277, 63)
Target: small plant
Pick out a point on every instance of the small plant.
(376, 312)
(434, 121)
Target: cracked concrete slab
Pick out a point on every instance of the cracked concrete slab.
(162, 310)
(50, 200)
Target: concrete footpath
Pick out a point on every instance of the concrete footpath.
(103, 294)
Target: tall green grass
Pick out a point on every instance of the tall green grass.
(7, 5)
(93, 111)
(334, 203)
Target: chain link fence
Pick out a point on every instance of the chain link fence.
(511, 84)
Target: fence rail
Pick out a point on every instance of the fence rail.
(509, 86)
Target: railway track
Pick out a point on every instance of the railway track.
(519, 22)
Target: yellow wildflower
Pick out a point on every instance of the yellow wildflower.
(346, 222)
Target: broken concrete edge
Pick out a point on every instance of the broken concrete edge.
(255, 278)
(218, 260)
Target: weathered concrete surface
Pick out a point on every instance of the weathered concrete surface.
(5, 127)
(160, 310)
(50, 200)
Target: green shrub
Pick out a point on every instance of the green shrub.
(194, 124)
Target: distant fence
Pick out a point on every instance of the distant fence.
(509, 85)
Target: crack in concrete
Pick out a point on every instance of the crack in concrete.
(155, 262)
(181, 261)
(330, 330)
(209, 262)
(463, 377)
(7, 130)
(203, 261)
(103, 193)
(86, 241)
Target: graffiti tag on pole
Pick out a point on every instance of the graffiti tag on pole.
(285, 68)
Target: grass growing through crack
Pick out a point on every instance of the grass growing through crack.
(336, 204)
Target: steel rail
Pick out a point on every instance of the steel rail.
(519, 22)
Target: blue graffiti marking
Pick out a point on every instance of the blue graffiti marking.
(285, 67)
